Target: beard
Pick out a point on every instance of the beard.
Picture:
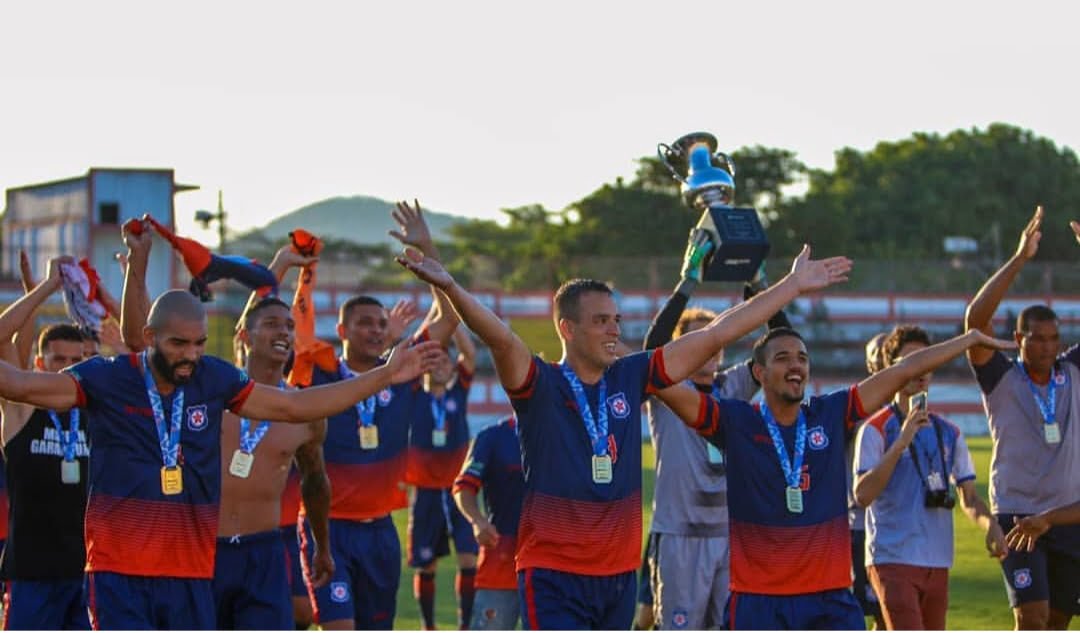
(167, 371)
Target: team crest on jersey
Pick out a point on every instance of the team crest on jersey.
(451, 406)
(818, 438)
(339, 592)
(679, 619)
(196, 417)
(384, 397)
(620, 408)
(1022, 578)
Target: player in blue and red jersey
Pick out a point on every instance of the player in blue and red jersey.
(787, 482)
(438, 443)
(365, 454)
(580, 534)
(154, 421)
(494, 465)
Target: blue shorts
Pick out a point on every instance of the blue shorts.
(572, 602)
(1051, 572)
(290, 538)
(644, 593)
(433, 518)
(367, 573)
(833, 610)
(495, 610)
(251, 583)
(47, 605)
(118, 601)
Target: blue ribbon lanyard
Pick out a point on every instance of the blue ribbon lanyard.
(68, 439)
(1046, 407)
(438, 411)
(597, 427)
(365, 409)
(168, 436)
(792, 471)
(248, 440)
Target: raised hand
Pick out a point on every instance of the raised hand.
(24, 271)
(286, 258)
(136, 236)
(982, 340)
(1026, 531)
(485, 533)
(916, 420)
(1030, 236)
(401, 316)
(408, 362)
(698, 248)
(426, 269)
(1075, 226)
(815, 274)
(414, 229)
(52, 275)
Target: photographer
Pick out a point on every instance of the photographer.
(905, 458)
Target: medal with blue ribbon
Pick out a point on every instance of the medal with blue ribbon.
(69, 466)
(596, 427)
(792, 469)
(438, 412)
(1051, 430)
(172, 478)
(365, 414)
(244, 457)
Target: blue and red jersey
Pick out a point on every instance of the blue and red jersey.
(367, 483)
(494, 464)
(430, 466)
(132, 527)
(569, 522)
(774, 551)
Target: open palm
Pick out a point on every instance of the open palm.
(425, 268)
(815, 274)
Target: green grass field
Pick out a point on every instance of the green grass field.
(977, 598)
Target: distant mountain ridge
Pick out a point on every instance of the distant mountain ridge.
(359, 219)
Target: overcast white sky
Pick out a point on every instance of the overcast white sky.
(475, 106)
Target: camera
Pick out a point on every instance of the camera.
(940, 499)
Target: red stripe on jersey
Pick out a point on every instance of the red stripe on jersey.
(526, 388)
(658, 377)
(434, 469)
(530, 603)
(139, 537)
(290, 499)
(855, 409)
(880, 419)
(464, 376)
(367, 491)
(734, 602)
(495, 567)
(708, 415)
(592, 538)
(787, 560)
(80, 395)
(465, 481)
(237, 403)
(91, 603)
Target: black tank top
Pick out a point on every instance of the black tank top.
(45, 524)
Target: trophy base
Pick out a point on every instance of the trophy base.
(740, 241)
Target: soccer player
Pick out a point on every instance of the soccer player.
(1031, 403)
(494, 466)
(688, 541)
(787, 503)
(46, 468)
(905, 460)
(251, 578)
(580, 534)
(365, 452)
(154, 421)
(438, 444)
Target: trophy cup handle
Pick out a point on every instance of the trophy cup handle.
(729, 164)
(663, 150)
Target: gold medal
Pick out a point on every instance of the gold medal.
(794, 500)
(172, 480)
(69, 471)
(240, 466)
(601, 469)
(438, 437)
(369, 437)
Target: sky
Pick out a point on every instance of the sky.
(476, 106)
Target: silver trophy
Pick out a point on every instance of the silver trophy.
(708, 185)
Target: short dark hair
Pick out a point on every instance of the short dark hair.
(59, 332)
(252, 316)
(352, 302)
(568, 297)
(766, 338)
(900, 336)
(1034, 313)
(691, 315)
